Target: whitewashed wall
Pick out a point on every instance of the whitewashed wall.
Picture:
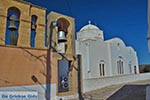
(119, 49)
(97, 83)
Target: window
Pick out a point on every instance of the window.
(64, 82)
(130, 67)
(102, 68)
(120, 66)
(135, 70)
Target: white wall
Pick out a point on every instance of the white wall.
(127, 53)
(93, 51)
(97, 83)
(99, 52)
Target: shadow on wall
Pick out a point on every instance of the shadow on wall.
(47, 66)
(130, 92)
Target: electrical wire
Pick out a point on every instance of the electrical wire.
(69, 8)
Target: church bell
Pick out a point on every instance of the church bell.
(62, 33)
(61, 36)
(12, 25)
(33, 26)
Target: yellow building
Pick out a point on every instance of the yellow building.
(26, 64)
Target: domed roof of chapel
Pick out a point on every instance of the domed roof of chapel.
(89, 27)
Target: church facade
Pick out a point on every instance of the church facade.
(104, 58)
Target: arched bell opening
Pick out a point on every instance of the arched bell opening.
(12, 26)
(63, 25)
(33, 30)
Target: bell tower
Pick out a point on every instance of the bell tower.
(17, 24)
(61, 41)
(60, 33)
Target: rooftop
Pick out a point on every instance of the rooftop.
(89, 26)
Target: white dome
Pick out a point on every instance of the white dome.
(89, 27)
(90, 32)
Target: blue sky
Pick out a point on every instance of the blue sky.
(126, 19)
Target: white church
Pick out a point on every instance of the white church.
(104, 58)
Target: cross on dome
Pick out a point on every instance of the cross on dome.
(89, 22)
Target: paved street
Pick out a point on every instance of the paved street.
(129, 91)
(148, 92)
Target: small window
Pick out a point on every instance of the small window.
(102, 68)
(120, 66)
(135, 70)
(130, 67)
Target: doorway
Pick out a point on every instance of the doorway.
(63, 75)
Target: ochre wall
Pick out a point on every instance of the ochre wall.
(18, 65)
(26, 11)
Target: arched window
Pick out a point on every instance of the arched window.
(102, 68)
(11, 36)
(130, 67)
(120, 66)
(33, 30)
